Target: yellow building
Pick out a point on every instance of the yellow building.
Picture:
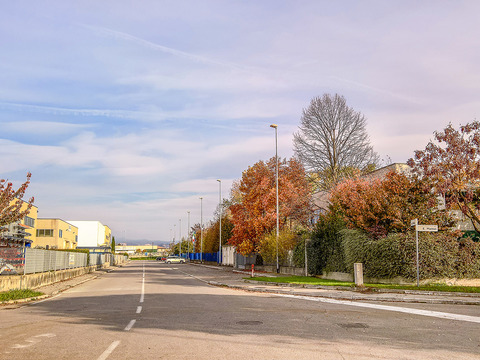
(21, 230)
(55, 234)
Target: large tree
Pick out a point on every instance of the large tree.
(11, 202)
(451, 162)
(332, 141)
(254, 202)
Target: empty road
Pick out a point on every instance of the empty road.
(148, 310)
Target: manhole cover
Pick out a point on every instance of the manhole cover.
(354, 326)
(249, 322)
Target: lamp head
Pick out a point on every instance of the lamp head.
(274, 126)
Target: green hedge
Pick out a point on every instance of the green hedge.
(325, 251)
(441, 255)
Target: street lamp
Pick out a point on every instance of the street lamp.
(276, 183)
(174, 233)
(188, 236)
(220, 222)
(180, 237)
(201, 230)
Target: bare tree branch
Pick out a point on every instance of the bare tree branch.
(332, 141)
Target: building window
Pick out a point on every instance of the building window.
(29, 221)
(44, 232)
(60, 233)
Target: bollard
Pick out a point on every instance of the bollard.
(253, 271)
(358, 271)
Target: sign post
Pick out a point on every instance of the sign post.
(429, 228)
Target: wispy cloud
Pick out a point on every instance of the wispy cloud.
(164, 49)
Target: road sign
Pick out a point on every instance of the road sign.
(427, 227)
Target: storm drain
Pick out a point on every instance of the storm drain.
(354, 326)
(249, 322)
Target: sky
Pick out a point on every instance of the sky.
(127, 112)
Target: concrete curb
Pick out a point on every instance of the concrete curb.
(353, 296)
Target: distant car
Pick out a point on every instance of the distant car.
(161, 258)
(174, 260)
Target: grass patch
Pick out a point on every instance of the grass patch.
(301, 280)
(324, 282)
(144, 258)
(18, 294)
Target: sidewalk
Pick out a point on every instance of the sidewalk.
(228, 277)
(56, 288)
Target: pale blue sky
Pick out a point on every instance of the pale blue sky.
(127, 112)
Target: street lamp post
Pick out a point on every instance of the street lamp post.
(201, 230)
(276, 185)
(220, 222)
(180, 237)
(188, 235)
(174, 233)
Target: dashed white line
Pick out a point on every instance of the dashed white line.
(130, 325)
(142, 296)
(109, 350)
(139, 309)
(437, 314)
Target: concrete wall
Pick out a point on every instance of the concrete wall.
(228, 255)
(33, 281)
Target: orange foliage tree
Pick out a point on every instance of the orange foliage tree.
(382, 206)
(11, 202)
(452, 164)
(253, 206)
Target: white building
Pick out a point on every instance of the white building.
(91, 233)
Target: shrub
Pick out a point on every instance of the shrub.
(325, 252)
(267, 246)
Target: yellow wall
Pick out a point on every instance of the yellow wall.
(108, 235)
(64, 235)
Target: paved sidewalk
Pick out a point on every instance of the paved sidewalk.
(56, 288)
(225, 276)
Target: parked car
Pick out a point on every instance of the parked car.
(161, 258)
(174, 260)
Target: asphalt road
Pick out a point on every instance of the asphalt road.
(148, 310)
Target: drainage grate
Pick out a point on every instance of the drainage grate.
(354, 326)
(249, 322)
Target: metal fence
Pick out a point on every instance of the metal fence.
(38, 260)
(30, 261)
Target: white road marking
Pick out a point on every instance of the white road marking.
(437, 314)
(139, 309)
(32, 341)
(142, 296)
(109, 350)
(130, 325)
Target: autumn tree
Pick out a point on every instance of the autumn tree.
(451, 162)
(253, 206)
(11, 202)
(332, 141)
(384, 205)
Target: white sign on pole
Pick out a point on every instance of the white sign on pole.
(427, 227)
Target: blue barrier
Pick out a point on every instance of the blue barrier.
(211, 257)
